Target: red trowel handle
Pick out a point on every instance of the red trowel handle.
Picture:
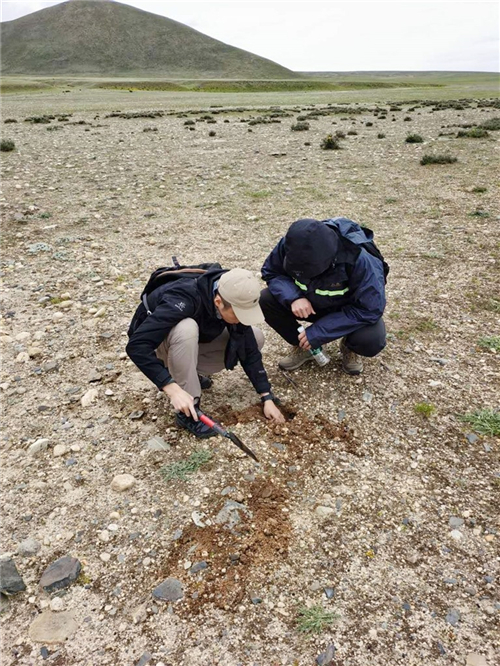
(211, 424)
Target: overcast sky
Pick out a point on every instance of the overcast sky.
(338, 36)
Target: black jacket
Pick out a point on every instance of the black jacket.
(191, 298)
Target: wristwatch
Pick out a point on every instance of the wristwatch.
(269, 396)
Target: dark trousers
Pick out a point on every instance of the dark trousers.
(366, 341)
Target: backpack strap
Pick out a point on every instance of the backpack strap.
(145, 303)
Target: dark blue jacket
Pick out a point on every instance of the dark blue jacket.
(346, 297)
(191, 298)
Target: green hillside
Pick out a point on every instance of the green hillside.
(101, 37)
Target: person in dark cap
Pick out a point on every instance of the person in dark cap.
(329, 273)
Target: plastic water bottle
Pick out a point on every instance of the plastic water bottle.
(318, 354)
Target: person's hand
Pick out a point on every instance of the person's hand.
(272, 413)
(181, 400)
(302, 308)
(303, 341)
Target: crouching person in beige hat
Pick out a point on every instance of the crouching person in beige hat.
(194, 322)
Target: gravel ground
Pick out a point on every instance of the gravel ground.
(379, 513)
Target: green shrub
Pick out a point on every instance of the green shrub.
(479, 213)
(407, 119)
(438, 159)
(492, 343)
(6, 145)
(212, 133)
(479, 189)
(474, 133)
(10, 120)
(492, 124)
(425, 409)
(300, 127)
(187, 123)
(414, 138)
(150, 129)
(369, 124)
(352, 133)
(330, 143)
(380, 135)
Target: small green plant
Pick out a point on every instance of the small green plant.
(479, 190)
(314, 620)
(6, 145)
(300, 127)
(45, 216)
(407, 119)
(352, 133)
(484, 421)
(414, 138)
(150, 129)
(330, 143)
(10, 120)
(260, 194)
(426, 324)
(380, 135)
(180, 469)
(212, 133)
(479, 213)
(424, 409)
(438, 159)
(492, 342)
(369, 124)
(474, 133)
(187, 123)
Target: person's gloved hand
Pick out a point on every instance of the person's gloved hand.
(302, 308)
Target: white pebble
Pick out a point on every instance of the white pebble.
(105, 557)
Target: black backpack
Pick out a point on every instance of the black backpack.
(170, 273)
(372, 249)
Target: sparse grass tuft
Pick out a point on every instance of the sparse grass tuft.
(7, 145)
(479, 213)
(474, 133)
(492, 342)
(414, 138)
(479, 190)
(426, 324)
(301, 126)
(330, 143)
(425, 409)
(380, 135)
(438, 159)
(484, 421)
(180, 469)
(212, 133)
(314, 620)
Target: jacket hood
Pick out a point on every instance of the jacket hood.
(311, 247)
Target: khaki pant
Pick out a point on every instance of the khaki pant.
(186, 358)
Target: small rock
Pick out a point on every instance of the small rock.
(28, 547)
(104, 536)
(145, 659)
(52, 628)
(453, 617)
(105, 557)
(56, 604)
(89, 397)
(456, 535)
(59, 450)
(22, 337)
(135, 416)
(60, 574)
(36, 447)
(198, 566)
(367, 397)
(100, 312)
(170, 590)
(94, 376)
(327, 657)
(123, 482)
(197, 517)
(455, 521)
(324, 512)
(4, 603)
(471, 438)
(23, 357)
(50, 366)
(330, 592)
(10, 580)
(229, 514)
(475, 659)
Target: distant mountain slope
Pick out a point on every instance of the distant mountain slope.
(94, 37)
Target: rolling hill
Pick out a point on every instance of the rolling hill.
(102, 37)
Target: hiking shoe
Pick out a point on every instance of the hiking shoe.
(297, 358)
(205, 382)
(197, 428)
(351, 362)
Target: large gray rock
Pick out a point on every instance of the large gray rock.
(170, 590)
(52, 627)
(60, 573)
(10, 580)
(229, 514)
(326, 658)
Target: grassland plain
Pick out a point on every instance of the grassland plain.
(375, 513)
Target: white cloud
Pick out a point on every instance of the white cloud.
(339, 36)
